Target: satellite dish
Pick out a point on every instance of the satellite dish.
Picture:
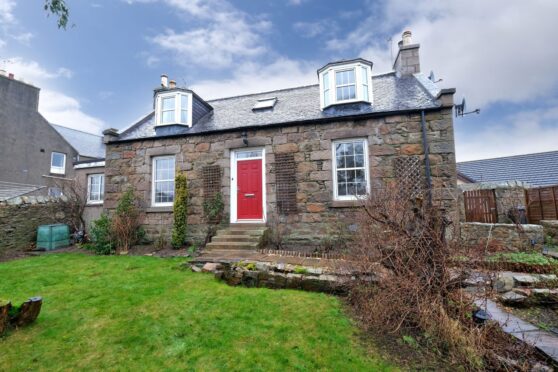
(460, 109)
(431, 76)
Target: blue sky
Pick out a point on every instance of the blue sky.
(100, 73)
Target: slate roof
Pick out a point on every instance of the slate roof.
(10, 190)
(86, 144)
(390, 93)
(539, 169)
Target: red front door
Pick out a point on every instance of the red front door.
(249, 189)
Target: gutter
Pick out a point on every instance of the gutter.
(426, 147)
(284, 124)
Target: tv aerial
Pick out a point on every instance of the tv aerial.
(432, 78)
(460, 109)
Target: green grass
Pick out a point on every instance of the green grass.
(534, 258)
(144, 313)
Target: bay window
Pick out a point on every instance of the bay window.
(350, 169)
(174, 108)
(345, 82)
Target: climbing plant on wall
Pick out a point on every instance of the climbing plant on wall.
(180, 210)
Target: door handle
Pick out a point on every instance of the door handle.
(249, 195)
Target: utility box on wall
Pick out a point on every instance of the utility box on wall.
(50, 237)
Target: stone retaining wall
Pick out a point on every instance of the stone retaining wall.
(20, 217)
(508, 237)
(550, 230)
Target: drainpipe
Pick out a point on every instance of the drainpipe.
(426, 147)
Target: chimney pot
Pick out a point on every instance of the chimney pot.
(10, 75)
(164, 81)
(406, 38)
(172, 84)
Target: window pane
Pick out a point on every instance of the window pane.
(350, 76)
(359, 161)
(57, 160)
(167, 117)
(342, 176)
(359, 148)
(360, 175)
(183, 102)
(167, 103)
(351, 92)
(183, 116)
(341, 189)
(361, 188)
(351, 189)
(350, 161)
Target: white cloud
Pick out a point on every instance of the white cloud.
(6, 11)
(225, 37)
(24, 38)
(313, 29)
(59, 108)
(521, 133)
(490, 50)
(255, 77)
(56, 107)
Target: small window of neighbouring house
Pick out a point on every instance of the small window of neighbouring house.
(163, 181)
(58, 163)
(95, 188)
(350, 169)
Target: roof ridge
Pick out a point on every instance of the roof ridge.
(509, 156)
(76, 130)
(259, 93)
(284, 89)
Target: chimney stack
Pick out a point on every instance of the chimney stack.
(109, 135)
(407, 61)
(164, 81)
(172, 84)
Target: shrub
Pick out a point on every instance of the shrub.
(102, 241)
(180, 211)
(125, 223)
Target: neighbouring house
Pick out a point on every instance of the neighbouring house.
(537, 170)
(37, 155)
(301, 157)
(525, 185)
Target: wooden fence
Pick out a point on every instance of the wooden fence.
(542, 204)
(480, 206)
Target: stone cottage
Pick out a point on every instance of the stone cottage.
(300, 157)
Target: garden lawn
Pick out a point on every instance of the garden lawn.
(145, 313)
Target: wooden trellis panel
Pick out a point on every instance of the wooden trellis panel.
(211, 176)
(408, 171)
(542, 203)
(285, 181)
(480, 206)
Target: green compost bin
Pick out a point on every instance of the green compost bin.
(50, 237)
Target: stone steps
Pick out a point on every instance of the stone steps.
(238, 237)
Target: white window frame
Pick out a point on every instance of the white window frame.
(336, 196)
(177, 108)
(153, 180)
(346, 85)
(54, 169)
(359, 84)
(101, 188)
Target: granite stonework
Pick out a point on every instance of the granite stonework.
(20, 217)
(503, 236)
(128, 164)
(509, 196)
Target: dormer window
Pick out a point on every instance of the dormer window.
(174, 108)
(345, 82)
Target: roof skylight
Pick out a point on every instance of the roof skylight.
(265, 103)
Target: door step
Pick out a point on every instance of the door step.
(239, 237)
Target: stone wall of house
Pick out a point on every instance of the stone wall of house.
(503, 236)
(509, 196)
(20, 217)
(318, 217)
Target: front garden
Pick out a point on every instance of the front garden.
(146, 313)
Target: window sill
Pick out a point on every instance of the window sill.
(94, 204)
(346, 203)
(161, 209)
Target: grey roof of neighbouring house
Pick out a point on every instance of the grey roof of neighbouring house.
(10, 190)
(540, 169)
(390, 93)
(86, 144)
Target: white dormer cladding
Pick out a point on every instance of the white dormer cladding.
(345, 82)
(173, 108)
